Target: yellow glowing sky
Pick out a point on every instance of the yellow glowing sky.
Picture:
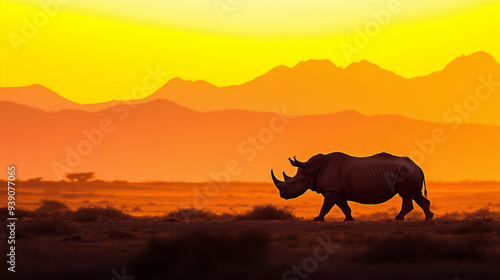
(94, 51)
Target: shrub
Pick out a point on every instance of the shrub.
(51, 206)
(483, 213)
(90, 214)
(268, 212)
(186, 214)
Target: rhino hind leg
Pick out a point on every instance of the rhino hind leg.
(346, 210)
(425, 204)
(405, 208)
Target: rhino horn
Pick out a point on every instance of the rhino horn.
(287, 178)
(277, 182)
(300, 164)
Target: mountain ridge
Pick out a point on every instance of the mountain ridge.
(316, 87)
(183, 108)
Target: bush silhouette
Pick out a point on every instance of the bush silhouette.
(268, 212)
(91, 214)
(51, 207)
(188, 214)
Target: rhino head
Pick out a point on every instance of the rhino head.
(295, 186)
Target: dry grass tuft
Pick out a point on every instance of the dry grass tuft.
(91, 214)
(193, 214)
(51, 206)
(268, 212)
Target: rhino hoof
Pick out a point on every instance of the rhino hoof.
(319, 219)
(429, 216)
(399, 218)
(348, 219)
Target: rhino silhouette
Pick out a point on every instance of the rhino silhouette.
(367, 180)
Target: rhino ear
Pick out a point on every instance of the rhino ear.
(292, 162)
(300, 164)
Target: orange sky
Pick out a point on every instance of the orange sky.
(94, 51)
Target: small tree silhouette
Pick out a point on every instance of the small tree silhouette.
(80, 177)
(35, 180)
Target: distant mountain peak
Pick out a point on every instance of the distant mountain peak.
(277, 69)
(326, 63)
(481, 55)
(179, 81)
(481, 59)
(364, 65)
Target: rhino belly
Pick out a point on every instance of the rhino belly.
(370, 190)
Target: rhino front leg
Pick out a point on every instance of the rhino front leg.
(330, 199)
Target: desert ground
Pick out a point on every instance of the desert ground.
(267, 242)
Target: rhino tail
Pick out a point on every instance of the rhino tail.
(423, 179)
(425, 189)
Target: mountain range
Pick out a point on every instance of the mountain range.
(466, 90)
